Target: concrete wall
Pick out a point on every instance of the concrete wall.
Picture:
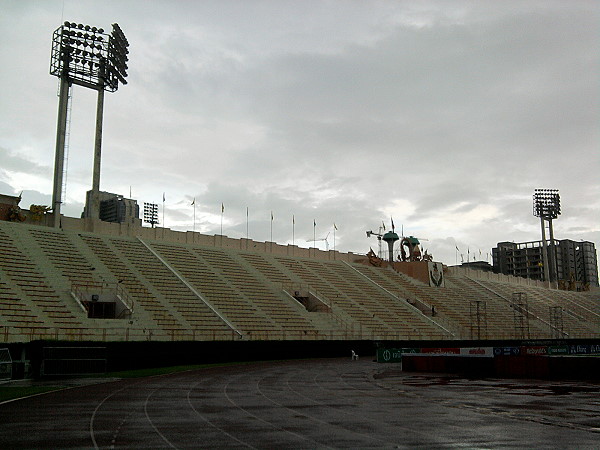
(134, 229)
(419, 270)
(491, 276)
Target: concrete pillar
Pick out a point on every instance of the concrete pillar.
(95, 203)
(545, 253)
(59, 157)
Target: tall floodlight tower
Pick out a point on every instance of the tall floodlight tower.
(546, 206)
(88, 57)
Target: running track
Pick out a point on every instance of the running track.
(306, 404)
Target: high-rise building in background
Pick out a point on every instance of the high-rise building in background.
(576, 261)
(113, 208)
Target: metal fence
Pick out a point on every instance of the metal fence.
(82, 334)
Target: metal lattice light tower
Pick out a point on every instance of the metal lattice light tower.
(89, 57)
(151, 213)
(546, 206)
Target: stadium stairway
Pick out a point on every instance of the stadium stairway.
(404, 303)
(287, 285)
(185, 310)
(499, 312)
(572, 318)
(37, 287)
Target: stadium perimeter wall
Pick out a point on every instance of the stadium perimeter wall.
(121, 356)
(491, 276)
(135, 229)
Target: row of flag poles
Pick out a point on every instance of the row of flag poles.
(335, 228)
(474, 255)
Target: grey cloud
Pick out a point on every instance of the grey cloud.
(332, 113)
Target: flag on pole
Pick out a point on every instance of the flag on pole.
(293, 232)
(194, 205)
(383, 223)
(314, 236)
(334, 229)
(392, 219)
(271, 240)
(222, 211)
(163, 215)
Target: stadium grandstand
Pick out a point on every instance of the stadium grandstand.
(100, 281)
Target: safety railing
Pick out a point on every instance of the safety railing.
(79, 291)
(31, 333)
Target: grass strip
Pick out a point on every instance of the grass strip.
(12, 392)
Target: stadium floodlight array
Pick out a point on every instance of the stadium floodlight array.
(546, 203)
(90, 57)
(151, 213)
(546, 206)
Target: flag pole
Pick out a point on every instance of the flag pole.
(194, 205)
(334, 228)
(314, 237)
(222, 211)
(271, 245)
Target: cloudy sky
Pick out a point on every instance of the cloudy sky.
(444, 115)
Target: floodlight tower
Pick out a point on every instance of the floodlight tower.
(88, 57)
(151, 213)
(546, 206)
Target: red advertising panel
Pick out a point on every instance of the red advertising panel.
(441, 351)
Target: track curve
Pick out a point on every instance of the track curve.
(334, 403)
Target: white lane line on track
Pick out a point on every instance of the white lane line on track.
(164, 438)
(329, 424)
(257, 417)
(208, 421)
(94, 414)
(338, 410)
(351, 414)
(93, 418)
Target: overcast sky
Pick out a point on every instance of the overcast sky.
(443, 115)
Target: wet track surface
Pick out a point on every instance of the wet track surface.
(307, 404)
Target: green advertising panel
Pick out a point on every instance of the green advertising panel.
(558, 350)
(393, 355)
